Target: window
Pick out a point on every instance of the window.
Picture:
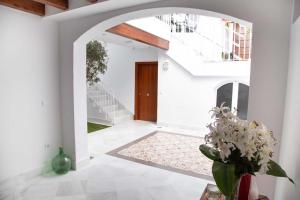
(224, 94)
(235, 95)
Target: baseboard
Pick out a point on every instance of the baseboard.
(11, 187)
(31, 173)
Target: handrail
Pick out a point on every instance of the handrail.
(103, 96)
(184, 23)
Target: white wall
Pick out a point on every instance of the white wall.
(29, 87)
(268, 70)
(185, 100)
(120, 74)
(289, 151)
(177, 105)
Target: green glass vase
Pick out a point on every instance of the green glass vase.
(61, 163)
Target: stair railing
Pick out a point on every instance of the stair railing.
(183, 42)
(209, 55)
(104, 99)
(235, 45)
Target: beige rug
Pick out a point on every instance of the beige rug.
(170, 151)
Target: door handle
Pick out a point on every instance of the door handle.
(148, 94)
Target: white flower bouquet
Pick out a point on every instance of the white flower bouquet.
(238, 147)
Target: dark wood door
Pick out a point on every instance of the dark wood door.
(146, 91)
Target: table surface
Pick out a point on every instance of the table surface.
(203, 197)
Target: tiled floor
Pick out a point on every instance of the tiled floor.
(170, 151)
(111, 178)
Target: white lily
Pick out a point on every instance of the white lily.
(252, 139)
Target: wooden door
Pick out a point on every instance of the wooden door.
(146, 91)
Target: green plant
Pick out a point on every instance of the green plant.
(96, 61)
(238, 147)
(92, 127)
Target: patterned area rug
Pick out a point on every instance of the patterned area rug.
(170, 151)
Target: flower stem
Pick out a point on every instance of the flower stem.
(229, 197)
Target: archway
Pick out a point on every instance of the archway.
(81, 155)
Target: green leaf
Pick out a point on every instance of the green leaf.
(225, 177)
(96, 61)
(276, 170)
(210, 152)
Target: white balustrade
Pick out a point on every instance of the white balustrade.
(214, 39)
(103, 98)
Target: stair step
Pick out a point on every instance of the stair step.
(106, 103)
(101, 97)
(111, 107)
(113, 111)
(123, 118)
(120, 112)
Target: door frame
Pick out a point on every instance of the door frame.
(136, 99)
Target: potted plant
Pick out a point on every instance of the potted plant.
(239, 149)
(96, 61)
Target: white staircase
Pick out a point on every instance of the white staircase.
(103, 107)
(203, 46)
(181, 53)
(206, 46)
(216, 39)
(196, 63)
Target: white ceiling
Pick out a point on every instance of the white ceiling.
(116, 39)
(80, 8)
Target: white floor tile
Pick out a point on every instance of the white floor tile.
(69, 188)
(102, 196)
(111, 178)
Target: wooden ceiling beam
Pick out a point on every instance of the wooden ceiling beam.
(96, 1)
(139, 35)
(25, 5)
(61, 4)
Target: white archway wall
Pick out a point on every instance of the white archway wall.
(289, 151)
(268, 74)
(81, 31)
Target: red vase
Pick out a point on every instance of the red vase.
(247, 189)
